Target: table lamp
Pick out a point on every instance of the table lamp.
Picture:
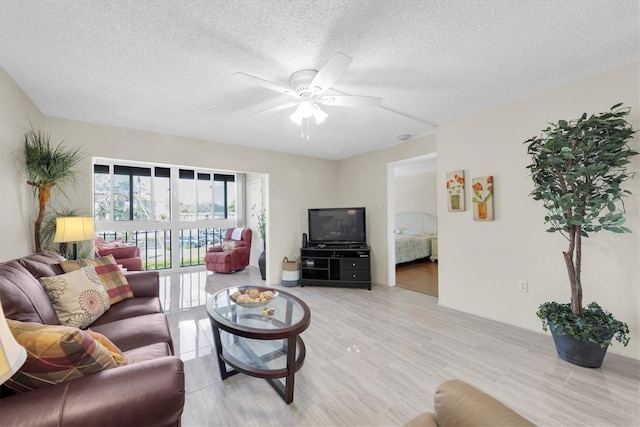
(12, 354)
(74, 229)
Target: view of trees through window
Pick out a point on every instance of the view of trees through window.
(132, 194)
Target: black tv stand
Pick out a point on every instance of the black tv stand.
(338, 246)
(336, 266)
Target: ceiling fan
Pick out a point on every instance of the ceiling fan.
(308, 87)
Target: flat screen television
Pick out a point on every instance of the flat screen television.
(337, 226)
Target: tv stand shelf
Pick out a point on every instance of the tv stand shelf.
(336, 266)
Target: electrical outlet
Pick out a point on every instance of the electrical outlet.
(523, 286)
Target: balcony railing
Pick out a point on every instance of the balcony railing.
(155, 245)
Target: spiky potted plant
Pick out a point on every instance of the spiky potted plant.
(261, 217)
(47, 165)
(578, 169)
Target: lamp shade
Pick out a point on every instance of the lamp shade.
(12, 354)
(74, 229)
(319, 115)
(296, 118)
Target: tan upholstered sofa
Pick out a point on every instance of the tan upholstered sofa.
(457, 403)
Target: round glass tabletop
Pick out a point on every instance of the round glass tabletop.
(282, 316)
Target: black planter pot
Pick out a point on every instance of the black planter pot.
(580, 353)
(262, 265)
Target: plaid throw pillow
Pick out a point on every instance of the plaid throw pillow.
(114, 351)
(55, 354)
(110, 275)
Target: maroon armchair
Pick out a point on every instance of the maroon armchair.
(126, 255)
(232, 255)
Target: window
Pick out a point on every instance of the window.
(133, 194)
(172, 214)
(187, 195)
(224, 196)
(202, 198)
(205, 196)
(162, 194)
(101, 193)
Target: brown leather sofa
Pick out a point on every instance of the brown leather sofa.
(149, 391)
(457, 403)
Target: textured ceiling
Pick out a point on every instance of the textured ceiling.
(167, 66)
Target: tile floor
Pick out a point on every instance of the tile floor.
(374, 358)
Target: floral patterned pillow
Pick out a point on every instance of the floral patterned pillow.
(78, 297)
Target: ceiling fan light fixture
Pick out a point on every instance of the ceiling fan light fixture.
(305, 109)
(318, 114)
(296, 118)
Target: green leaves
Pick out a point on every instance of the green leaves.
(595, 325)
(48, 163)
(578, 167)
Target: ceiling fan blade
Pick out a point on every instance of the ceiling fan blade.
(277, 108)
(265, 83)
(350, 101)
(330, 73)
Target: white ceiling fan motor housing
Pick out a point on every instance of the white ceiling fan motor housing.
(300, 81)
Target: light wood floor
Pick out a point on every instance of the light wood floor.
(418, 277)
(374, 358)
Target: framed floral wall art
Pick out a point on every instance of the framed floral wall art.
(455, 191)
(482, 198)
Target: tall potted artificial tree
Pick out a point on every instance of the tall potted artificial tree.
(578, 168)
(47, 165)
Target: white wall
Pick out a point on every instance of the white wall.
(364, 183)
(289, 176)
(481, 262)
(416, 193)
(17, 211)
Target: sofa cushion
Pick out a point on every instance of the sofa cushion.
(110, 275)
(148, 352)
(23, 297)
(43, 264)
(138, 331)
(130, 308)
(78, 297)
(55, 354)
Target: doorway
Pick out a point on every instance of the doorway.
(255, 202)
(412, 191)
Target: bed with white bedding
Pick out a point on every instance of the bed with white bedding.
(413, 234)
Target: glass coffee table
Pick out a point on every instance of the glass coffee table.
(260, 339)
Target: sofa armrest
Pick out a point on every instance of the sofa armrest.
(458, 403)
(121, 252)
(144, 283)
(426, 419)
(149, 393)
